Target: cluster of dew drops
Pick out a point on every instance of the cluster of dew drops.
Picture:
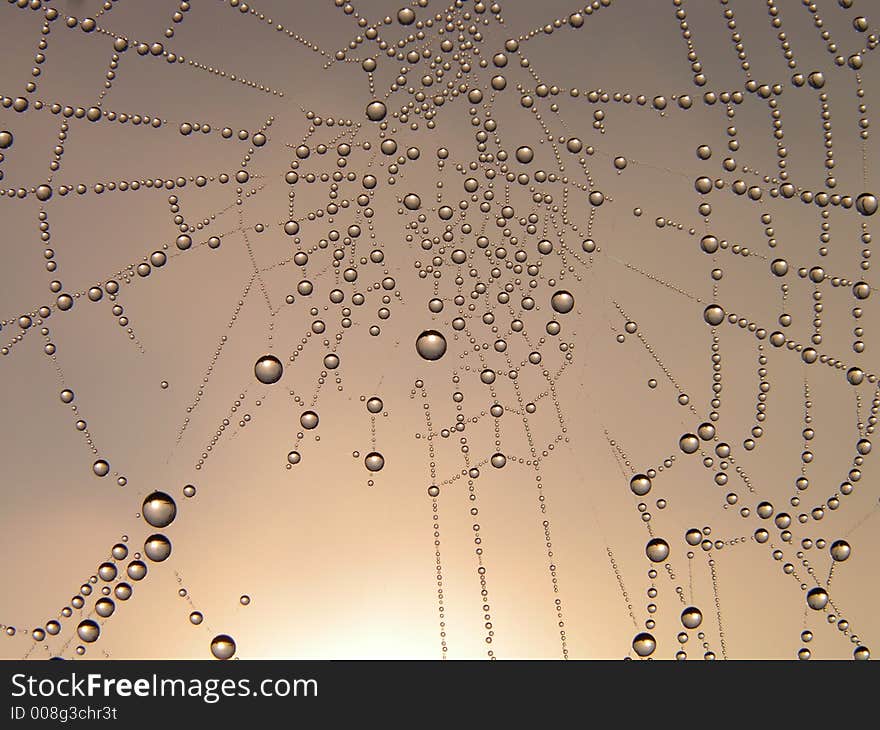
(448, 61)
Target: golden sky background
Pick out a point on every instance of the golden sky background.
(636, 154)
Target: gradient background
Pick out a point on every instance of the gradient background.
(334, 567)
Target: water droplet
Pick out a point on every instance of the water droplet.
(640, 485)
(157, 548)
(431, 345)
(866, 204)
(562, 302)
(88, 630)
(644, 644)
(268, 369)
(840, 550)
(136, 570)
(105, 607)
(691, 617)
(817, 598)
(223, 646)
(525, 154)
(657, 550)
(159, 509)
(376, 111)
(374, 461)
(713, 314)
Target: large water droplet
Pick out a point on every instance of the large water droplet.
(644, 644)
(657, 550)
(562, 302)
(159, 509)
(157, 548)
(223, 646)
(88, 630)
(268, 369)
(431, 345)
